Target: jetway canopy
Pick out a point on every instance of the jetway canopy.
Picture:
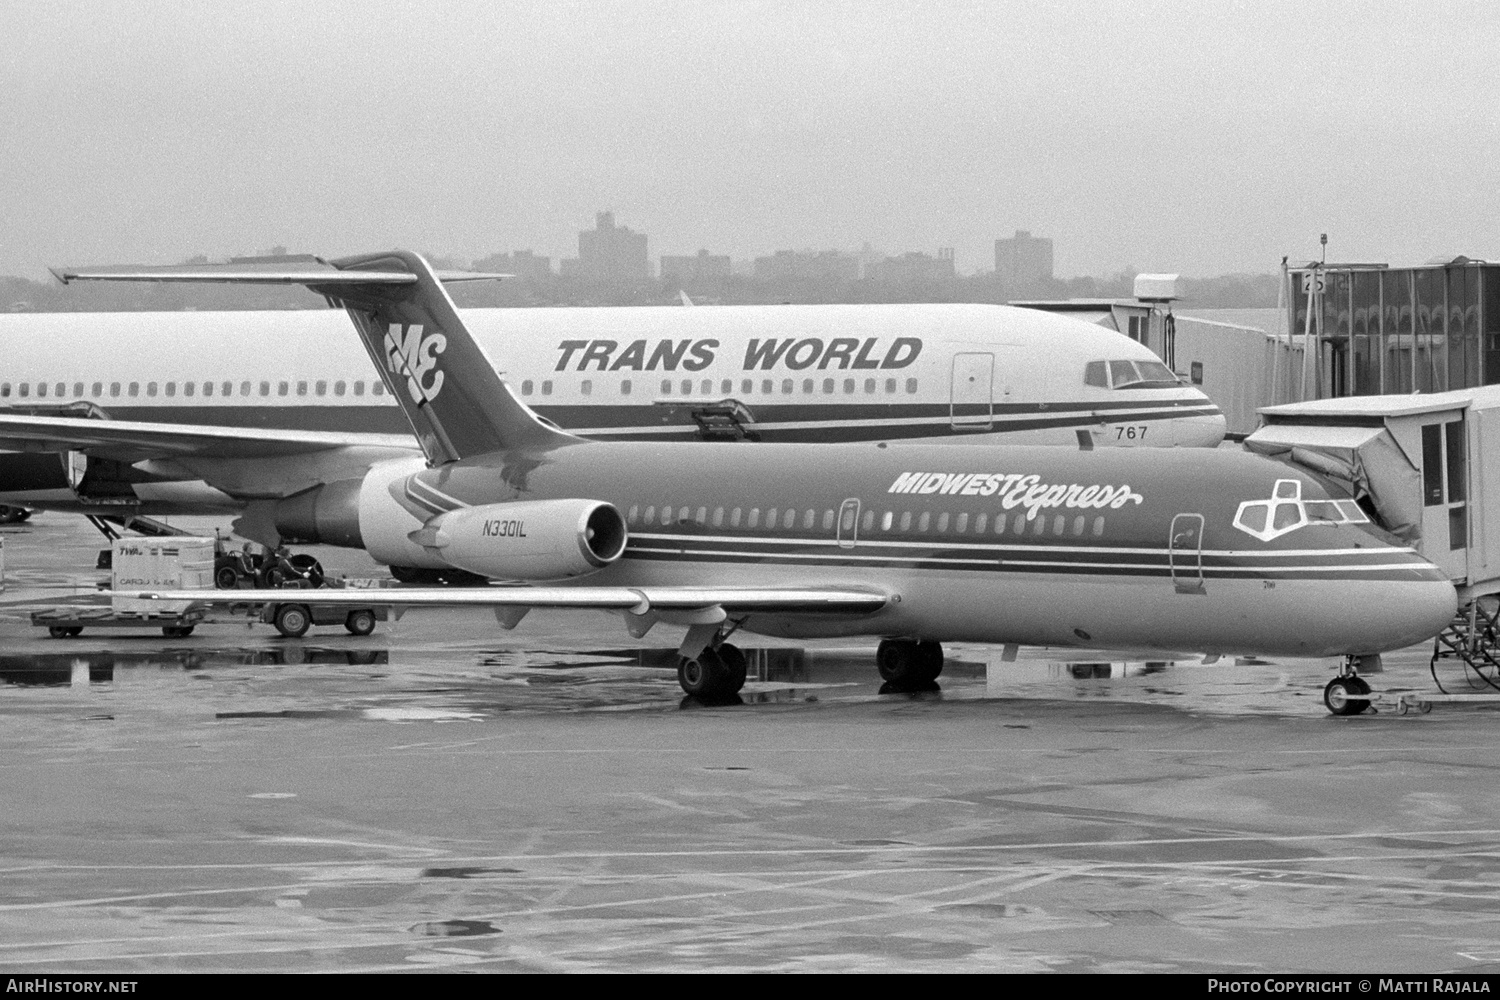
(1428, 465)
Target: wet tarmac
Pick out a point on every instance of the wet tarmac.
(447, 795)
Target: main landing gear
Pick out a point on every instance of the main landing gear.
(1345, 694)
(714, 675)
(909, 664)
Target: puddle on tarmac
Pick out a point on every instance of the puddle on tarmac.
(81, 667)
(456, 928)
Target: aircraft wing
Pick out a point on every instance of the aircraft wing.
(134, 440)
(636, 600)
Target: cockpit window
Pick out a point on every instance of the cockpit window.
(1286, 511)
(1128, 374)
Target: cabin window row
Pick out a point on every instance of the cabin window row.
(906, 522)
(747, 387)
(114, 390)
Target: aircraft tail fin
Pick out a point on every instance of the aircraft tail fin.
(455, 402)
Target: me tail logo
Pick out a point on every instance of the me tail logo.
(409, 353)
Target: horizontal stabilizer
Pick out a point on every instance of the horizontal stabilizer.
(302, 269)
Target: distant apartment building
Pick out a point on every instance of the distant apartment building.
(794, 265)
(913, 268)
(609, 253)
(1023, 259)
(701, 267)
(524, 264)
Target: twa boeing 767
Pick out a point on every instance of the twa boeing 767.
(918, 544)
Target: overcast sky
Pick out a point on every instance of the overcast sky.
(1200, 138)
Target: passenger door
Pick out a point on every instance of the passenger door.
(1185, 553)
(848, 523)
(972, 390)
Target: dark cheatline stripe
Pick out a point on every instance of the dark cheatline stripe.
(1119, 566)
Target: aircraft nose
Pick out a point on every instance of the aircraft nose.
(1409, 613)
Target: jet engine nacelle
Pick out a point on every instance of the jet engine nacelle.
(527, 539)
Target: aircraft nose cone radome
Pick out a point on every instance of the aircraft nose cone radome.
(1404, 614)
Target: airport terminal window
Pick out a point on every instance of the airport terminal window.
(320, 387)
(526, 387)
(546, 387)
(586, 387)
(282, 388)
(302, 388)
(625, 387)
(338, 388)
(151, 388)
(171, 388)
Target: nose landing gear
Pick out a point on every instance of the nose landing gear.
(1344, 695)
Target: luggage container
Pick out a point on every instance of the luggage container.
(174, 562)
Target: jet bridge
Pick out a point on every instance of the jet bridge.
(1426, 467)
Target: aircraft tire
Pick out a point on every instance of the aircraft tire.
(293, 620)
(704, 676)
(60, 631)
(899, 660)
(177, 631)
(1340, 696)
(360, 622)
(735, 666)
(929, 660)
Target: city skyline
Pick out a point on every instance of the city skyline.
(1150, 135)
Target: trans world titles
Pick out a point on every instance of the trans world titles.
(795, 354)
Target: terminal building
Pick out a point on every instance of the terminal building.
(1381, 329)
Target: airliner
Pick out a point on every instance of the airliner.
(959, 373)
(917, 543)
